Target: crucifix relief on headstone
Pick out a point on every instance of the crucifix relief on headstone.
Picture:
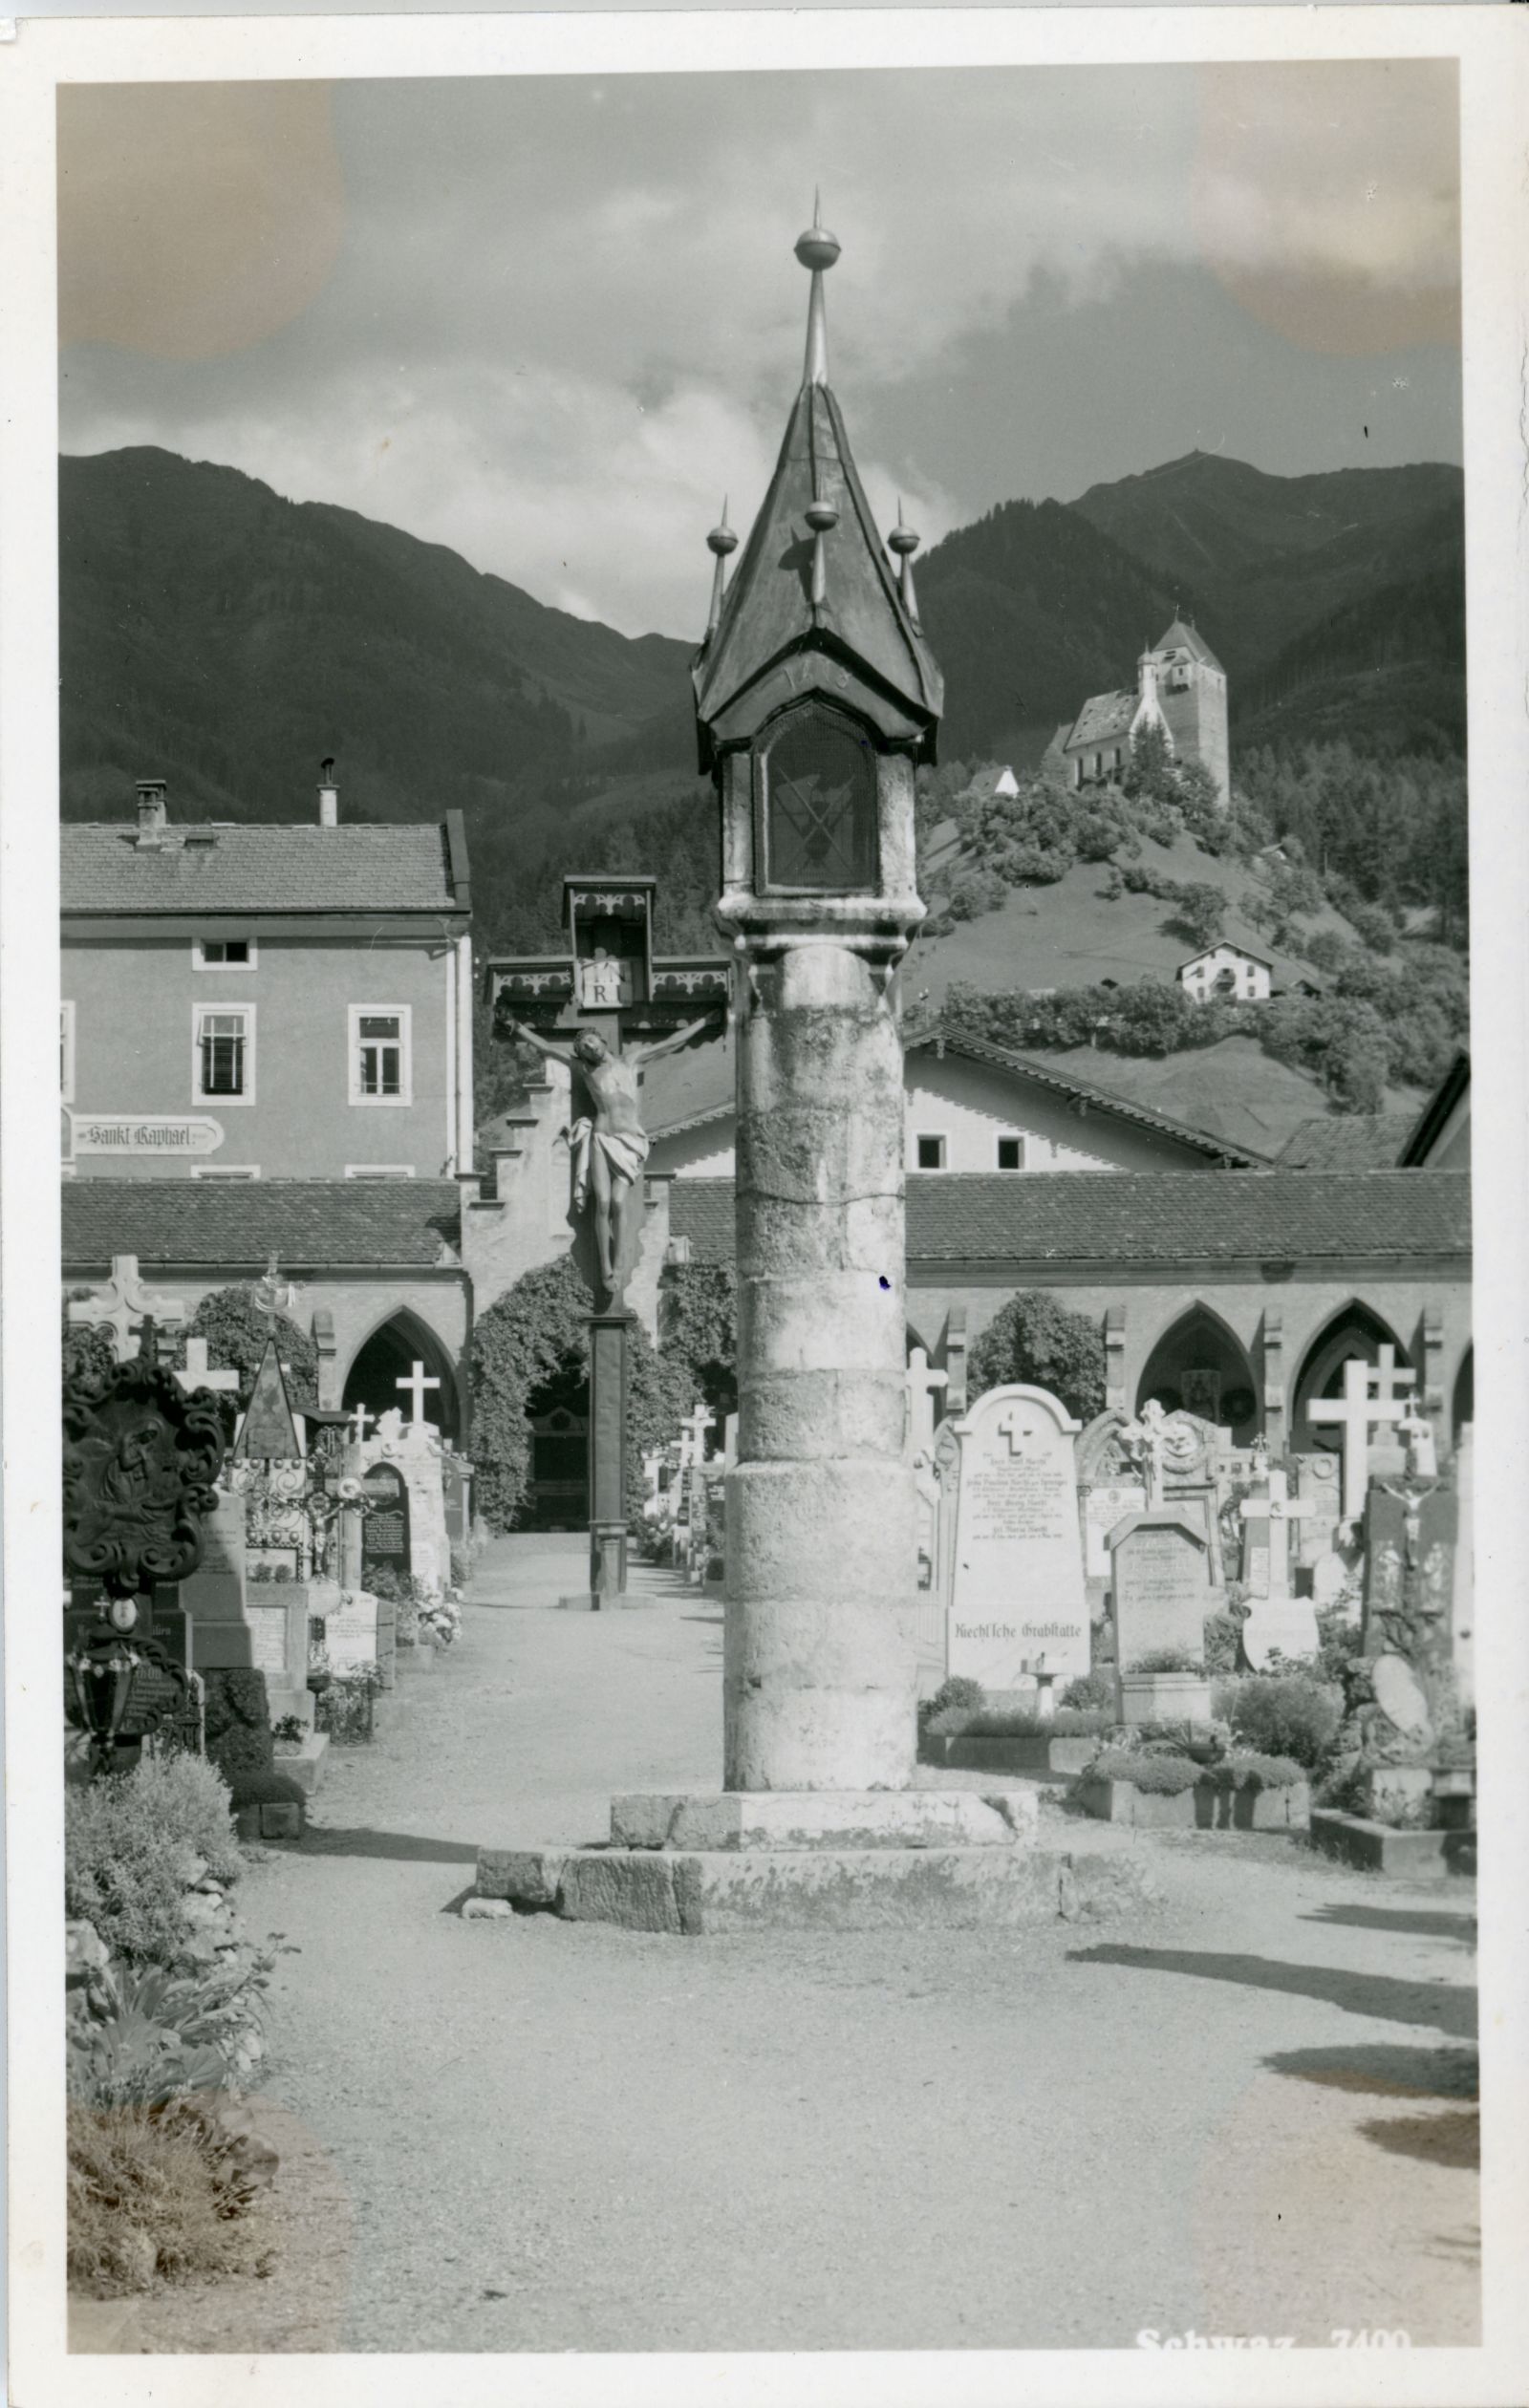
(124, 1306)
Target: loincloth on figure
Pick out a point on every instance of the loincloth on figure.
(625, 1151)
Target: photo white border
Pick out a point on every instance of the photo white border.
(1490, 45)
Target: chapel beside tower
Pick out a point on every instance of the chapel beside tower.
(1181, 689)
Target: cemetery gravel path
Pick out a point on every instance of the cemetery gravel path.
(1240, 2112)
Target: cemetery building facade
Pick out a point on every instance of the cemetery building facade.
(253, 1002)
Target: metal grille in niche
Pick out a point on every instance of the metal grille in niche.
(820, 805)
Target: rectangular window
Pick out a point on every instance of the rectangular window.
(66, 1053)
(380, 1069)
(224, 952)
(226, 1169)
(931, 1153)
(1011, 1153)
(379, 1170)
(224, 1068)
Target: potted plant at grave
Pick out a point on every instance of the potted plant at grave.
(288, 1735)
(320, 1672)
(1166, 1685)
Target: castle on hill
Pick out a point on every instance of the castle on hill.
(1180, 690)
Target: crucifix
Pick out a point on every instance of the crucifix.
(615, 1006)
(1354, 1412)
(923, 1388)
(415, 1385)
(1146, 1440)
(1278, 1509)
(124, 1306)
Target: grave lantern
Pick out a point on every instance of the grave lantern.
(816, 699)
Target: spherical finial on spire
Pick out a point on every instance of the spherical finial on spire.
(722, 540)
(817, 248)
(902, 540)
(821, 516)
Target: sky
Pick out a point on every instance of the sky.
(551, 322)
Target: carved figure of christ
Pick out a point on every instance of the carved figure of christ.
(609, 1144)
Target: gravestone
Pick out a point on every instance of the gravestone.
(1190, 1452)
(1319, 1484)
(1411, 1533)
(385, 1528)
(350, 1619)
(1018, 1607)
(1278, 1620)
(1110, 1486)
(1162, 1586)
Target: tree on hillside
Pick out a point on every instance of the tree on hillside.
(1043, 1343)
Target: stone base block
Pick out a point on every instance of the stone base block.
(305, 1765)
(812, 1889)
(823, 1819)
(1417, 1856)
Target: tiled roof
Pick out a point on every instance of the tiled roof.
(1067, 1083)
(1347, 1141)
(250, 867)
(1181, 638)
(1112, 1217)
(1104, 717)
(308, 1224)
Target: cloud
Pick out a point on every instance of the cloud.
(550, 321)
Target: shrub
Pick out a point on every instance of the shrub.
(1027, 1722)
(1221, 1634)
(1288, 1714)
(1164, 1776)
(1045, 1345)
(268, 1789)
(238, 1722)
(1166, 1660)
(291, 1729)
(1092, 1689)
(129, 1848)
(158, 2194)
(1338, 1643)
(958, 1691)
(236, 1330)
(1246, 1771)
(344, 1709)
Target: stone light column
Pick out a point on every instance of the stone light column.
(816, 696)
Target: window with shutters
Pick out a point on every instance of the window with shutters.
(224, 1054)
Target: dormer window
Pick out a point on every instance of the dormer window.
(816, 807)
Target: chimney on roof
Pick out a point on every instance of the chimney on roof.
(152, 815)
(328, 794)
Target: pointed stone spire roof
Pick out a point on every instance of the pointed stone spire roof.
(814, 584)
(267, 1430)
(1182, 637)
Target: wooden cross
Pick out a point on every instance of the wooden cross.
(356, 1430)
(197, 1375)
(415, 1384)
(1354, 1412)
(1278, 1509)
(125, 1307)
(923, 1387)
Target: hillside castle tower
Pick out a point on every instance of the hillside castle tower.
(1182, 689)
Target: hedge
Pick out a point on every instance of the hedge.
(1167, 1776)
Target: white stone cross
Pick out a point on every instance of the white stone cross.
(1278, 1509)
(1388, 1376)
(693, 1442)
(125, 1304)
(197, 1374)
(359, 1425)
(1355, 1410)
(923, 1387)
(1416, 1430)
(415, 1384)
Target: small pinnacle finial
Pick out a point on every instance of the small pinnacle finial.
(817, 249)
(905, 542)
(719, 543)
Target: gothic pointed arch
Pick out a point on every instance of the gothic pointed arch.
(1355, 1331)
(387, 1355)
(1200, 1365)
